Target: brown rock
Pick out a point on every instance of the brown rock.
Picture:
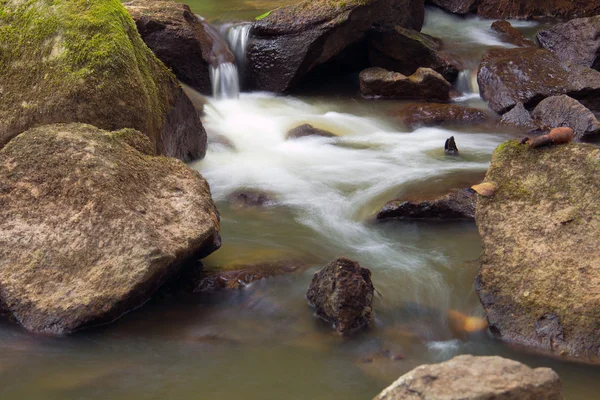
(540, 269)
(557, 111)
(424, 84)
(432, 114)
(251, 198)
(476, 378)
(406, 50)
(307, 130)
(528, 9)
(577, 40)
(188, 46)
(507, 77)
(342, 293)
(556, 136)
(92, 223)
(458, 204)
(511, 35)
(460, 7)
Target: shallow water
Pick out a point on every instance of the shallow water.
(263, 342)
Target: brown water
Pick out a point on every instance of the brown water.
(264, 342)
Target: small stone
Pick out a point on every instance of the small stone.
(450, 146)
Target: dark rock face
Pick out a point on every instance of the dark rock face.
(456, 205)
(342, 293)
(405, 50)
(425, 84)
(460, 7)
(557, 111)
(577, 40)
(251, 198)
(511, 35)
(510, 76)
(92, 223)
(519, 117)
(57, 77)
(307, 130)
(185, 44)
(527, 9)
(293, 40)
(431, 114)
(450, 147)
(476, 378)
(540, 267)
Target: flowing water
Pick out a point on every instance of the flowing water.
(263, 342)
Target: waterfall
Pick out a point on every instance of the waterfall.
(466, 83)
(237, 36)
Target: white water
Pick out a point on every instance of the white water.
(225, 81)
(237, 36)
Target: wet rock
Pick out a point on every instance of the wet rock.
(450, 147)
(293, 40)
(507, 77)
(307, 130)
(85, 62)
(540, 268)
(406, 50)
(519, 117)
(528, 9)
(432, 114)
(511, 35)
(460, 7)
(92, 223)
(459, 204)
(342, 293)
(475, 378)
(251, 198)
(556, 136)
(188, 46)
(577, 40)
(557, 111)
(424, 84)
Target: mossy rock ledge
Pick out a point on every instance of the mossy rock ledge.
(92, 223)
(84, 61)
(539, 276)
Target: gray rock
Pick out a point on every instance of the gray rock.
(519, 117)
(459, 204)
(557, 111)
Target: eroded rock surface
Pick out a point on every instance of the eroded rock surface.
(557, 111)
(520, 118)
(425, 84)
(528, 9)
(433, 114)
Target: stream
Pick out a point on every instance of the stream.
(263, 342)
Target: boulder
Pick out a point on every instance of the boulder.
(84, 61)
(557, 111)
(509, 34)
(460, 7)
(187, 45)
(527, 75)
(433, 114)
(425, 84)
(251, 198)
(459, 204)
(342, 293)
(305, 130)
(520, 118)
(577, 40)
(540, 268)
(476, 378)
(406, 50)
(293, 40)
(528, 9)
(92, 223)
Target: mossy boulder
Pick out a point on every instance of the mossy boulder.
(186, 44)
(92, 223)
(292, 41)
(424, 84)
(539, 277)
(84, 61)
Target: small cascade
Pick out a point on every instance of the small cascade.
(466, 83)
(237, 36)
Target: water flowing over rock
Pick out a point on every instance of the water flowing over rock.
(92, 223)
(85, 62)
(557, 111)
(342, 293)
(476, 378)
(425, 84)
(577, 40)
(540, 269)
(406, 50)
(432, 114)
(305, 130)
(511, 35)
(510, 76)
(459, 204)
(237, 36)
(293, 40)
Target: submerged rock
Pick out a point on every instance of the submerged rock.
(251, 198)
(406, 50)
(507, 77)
(84, 61)
(557, 111)
(92, 223)
(424, 84)
(342, 293)
(179, 39)
(519, 117)
(293, 40)
(577, 40)
(305, 130)
(511, 35)
(540, 268)
(475, 378)
(459, 204)
(432, 114)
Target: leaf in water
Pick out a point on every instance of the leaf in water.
(486, 189)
